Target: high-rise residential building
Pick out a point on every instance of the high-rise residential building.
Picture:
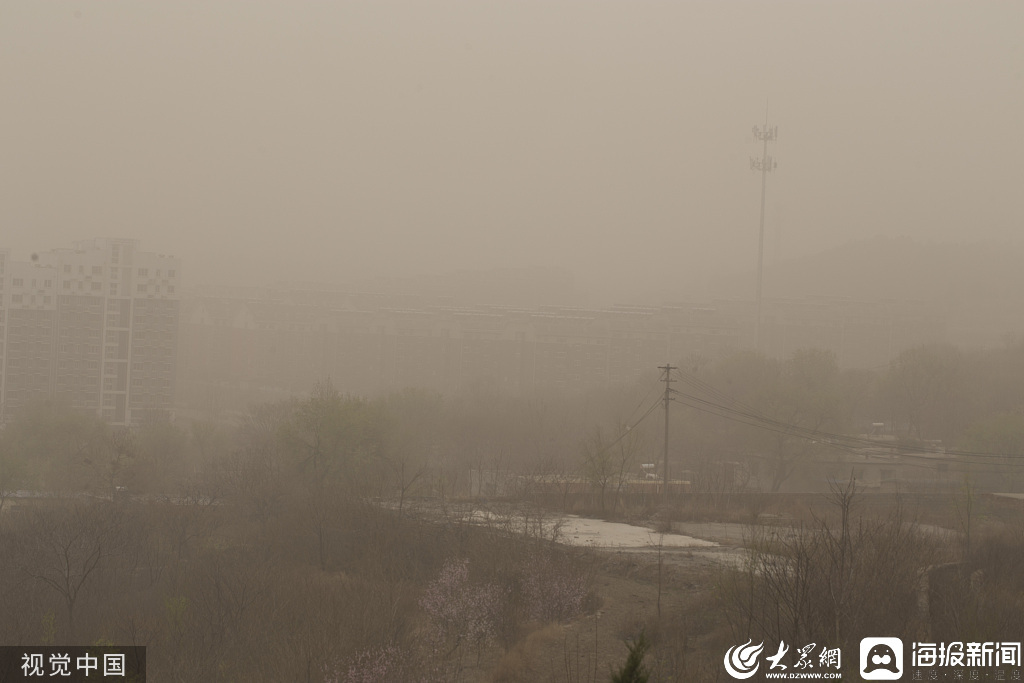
(28, 314)
(95, 326)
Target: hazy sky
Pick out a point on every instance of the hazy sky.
(326, 140)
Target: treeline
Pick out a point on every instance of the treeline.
(408, 441)
(933, 397)
(269, 551)
(743, 408)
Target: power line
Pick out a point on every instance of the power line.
(930, 462)
(851, 444)
(641, 402)
(831, 437)
(629, 428)
(710, 389)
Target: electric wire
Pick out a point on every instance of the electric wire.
(629, 428)
(746, 415)
(855, 441)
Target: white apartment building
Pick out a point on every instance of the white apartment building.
(95, 326)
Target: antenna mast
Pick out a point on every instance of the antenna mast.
(765, 164)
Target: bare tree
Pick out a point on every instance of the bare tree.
(66, 545)
(598, 463)
(121, 453)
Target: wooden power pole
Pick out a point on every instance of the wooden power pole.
(667, 379)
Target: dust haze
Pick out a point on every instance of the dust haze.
(338, 141)
(512, 342)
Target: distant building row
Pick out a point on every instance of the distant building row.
(235, 349)
(95, 326)
(99, 326)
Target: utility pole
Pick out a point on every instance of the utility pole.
(668, 368)
(765, 164)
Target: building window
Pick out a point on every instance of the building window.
(46, 299)
(113, 289)
(16, 299)
(170, 273)
(96, 286)
(67, 268)
(143, 272)
(48, 283)
(142, 288)
(170, 289)
(67, 284)
(97, 270)
(18, 282)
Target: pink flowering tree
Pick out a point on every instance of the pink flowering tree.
(460, 612)
(383, 665)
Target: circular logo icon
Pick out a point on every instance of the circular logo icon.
(741, 660)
